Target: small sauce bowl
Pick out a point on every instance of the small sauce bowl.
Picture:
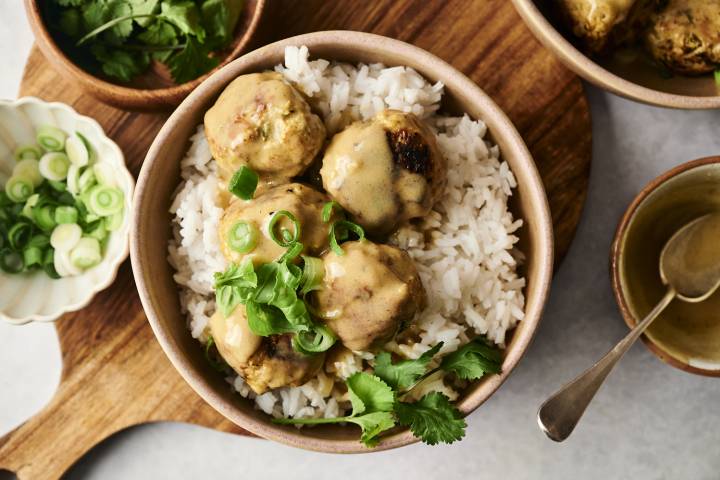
(687, 336)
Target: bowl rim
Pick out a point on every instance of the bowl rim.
(112, 270)
(581, 64)
(616, 252)
(119, 94)
(491, 114)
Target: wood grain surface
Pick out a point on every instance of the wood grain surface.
(114, 372)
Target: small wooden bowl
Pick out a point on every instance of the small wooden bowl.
(684, 332)
(637, 80)
(152, 90)
(159, 178)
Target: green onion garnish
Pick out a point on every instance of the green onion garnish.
(66, 214)
(242, 237)
(211, 359)
(289, 238)
(86, 180)
(19, 235)
(30, 169)
(104, 201)
(243, 183)
(27, 210)
(30, 151)
(341, 228)
(19, 188)
(320, 339)
(39, 240)
(292, 252)
(86, 253)
(52, 139)
(11, 262)
(45, 217)
(313, 274)
(32, 256)
(54, 166)
(328, 208)
(76, 151)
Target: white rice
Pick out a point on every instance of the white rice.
(467, 265)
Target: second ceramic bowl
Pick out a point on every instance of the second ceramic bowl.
(160, 176)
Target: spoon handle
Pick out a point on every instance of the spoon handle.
(560, 413)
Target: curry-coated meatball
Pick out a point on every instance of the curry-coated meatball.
(369, 293)
(685, 36)
(384, 171)
(261, 121)
(264, 362)
(301, 201)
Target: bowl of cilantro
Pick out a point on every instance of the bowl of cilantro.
(142, 54)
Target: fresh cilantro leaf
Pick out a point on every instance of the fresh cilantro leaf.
(69, 3)
(191, 62)
(369, 394)
(405, 373)
(119, 64)
(473, 360)
(144, 7)
(184, 15)
(219, 17)
(98, 12)
(70, 22)
(433, 419)
(159, 33)
(95, 14)
(373, 424)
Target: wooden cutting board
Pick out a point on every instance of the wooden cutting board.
(114, 373)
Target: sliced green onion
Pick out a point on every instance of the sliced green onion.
(105, 174)
(77, 151)
(91, 217)
(73, 179)
(340, 227)
(64, 266)
(66, 214)
(45, 217)
(313, 274)
(27, 210)
(65, 237)
(242, 237)
(32, 256)
(30, 151)
(30, 169)
(49, 264)
(19, 188)
(86, 253)
(40, 241)
(57, 186)
(52, 139)
(243, 183)
(54, 166)
(328, 209)
(99, 231)
(320, 339)
(286, 241)
(65, 198)
(114, 221)
(88, 147)
(19, 235)
(105, 201)
(220, 365)
(86, 180)
(11, 262)
(292, 252)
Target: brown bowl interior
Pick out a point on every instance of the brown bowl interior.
(637, 79)
(160, 176)
(683, 330)
(154, 89)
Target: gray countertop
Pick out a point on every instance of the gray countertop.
(650, 421)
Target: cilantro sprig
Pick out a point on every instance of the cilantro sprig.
(121, 37)
(377, 399)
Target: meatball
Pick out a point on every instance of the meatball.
(261, 121)
(685, 36)
(384, 171)
(369, 293)
(303, 202)
(264, 362)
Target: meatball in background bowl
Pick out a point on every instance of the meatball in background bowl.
(631, 72)
(160, 177)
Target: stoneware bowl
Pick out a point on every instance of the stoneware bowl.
(36, 297)
(160, 176)
(686, 336)
(637, 79)
(153, 90)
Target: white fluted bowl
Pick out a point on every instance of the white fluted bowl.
(35, 296)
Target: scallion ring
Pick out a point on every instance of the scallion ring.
(52, 139)
(19, 235)
(76, 151)
(54, 166)
(243, 183)
(45, 217)
(313, 274)
(32, 256)
(343, 226)
(11, 262)
(285, 242)
(318, 340)
(29, 169)
(104, 201)
(19, 188)
(292, 252)
(328, 209)
(31, 151)
(242, 237)
(66, 214)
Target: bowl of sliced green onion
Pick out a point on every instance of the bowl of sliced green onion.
(65, 194)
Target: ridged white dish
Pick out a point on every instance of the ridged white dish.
(36, 297)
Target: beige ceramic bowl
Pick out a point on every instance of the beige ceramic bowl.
(637, 79)
(160, 176)
(685, 335)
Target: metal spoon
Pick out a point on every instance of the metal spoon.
(690, 267)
